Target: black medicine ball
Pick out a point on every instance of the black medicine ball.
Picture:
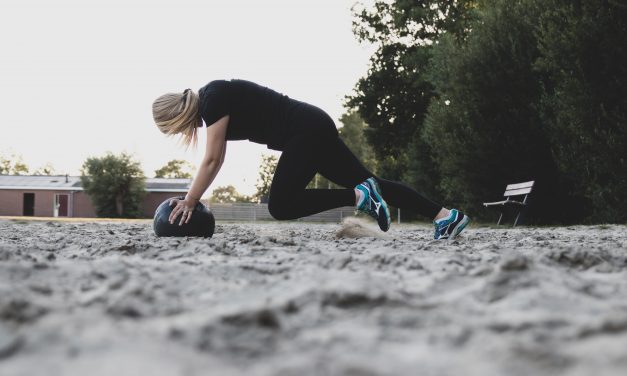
(202, 222)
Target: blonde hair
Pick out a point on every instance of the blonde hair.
(177, 113)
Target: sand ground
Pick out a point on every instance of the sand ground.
(292, 299)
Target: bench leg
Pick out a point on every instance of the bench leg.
(499, 221)
(517, 217)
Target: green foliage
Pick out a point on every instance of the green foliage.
(584, 102)
(464, 97)
(484, 127)
(13, 165)
(393, 100)
(422, 172)
(228, 194)
(115, 184)
(394, 96)
(175, 169)
(352, 133)
(266, 172)
(413, 22)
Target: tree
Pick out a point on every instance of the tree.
(412, 22)
(174, 169)
(394, 96)
(46, 169)
(485, 124)
(228, 194)
(583, 47)
(266, 172)
(13, 165)
(393, 100)
(536, 91)
(115, 184)
(467, 96)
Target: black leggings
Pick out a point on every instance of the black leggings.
(313, 146)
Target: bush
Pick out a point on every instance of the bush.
(115, 184)
(584, 101)
(485, 128)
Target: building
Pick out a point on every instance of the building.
(63, 196)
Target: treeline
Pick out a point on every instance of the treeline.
(464, 97)
(12, 164)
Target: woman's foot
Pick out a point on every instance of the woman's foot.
(371, 203)
(450, 226)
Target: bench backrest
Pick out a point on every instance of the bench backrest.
(518, 189)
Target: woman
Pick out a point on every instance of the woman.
(309, 141)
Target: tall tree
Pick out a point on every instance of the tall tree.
(392, 100)
(175, 169)
(485, 127)
(584, 104)
(115, 184)
(266, 172)
(512, 90)
(394, 96)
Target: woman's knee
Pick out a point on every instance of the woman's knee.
(279, 209)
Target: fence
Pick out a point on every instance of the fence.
(259, 212)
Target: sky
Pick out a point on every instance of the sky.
(78, 77)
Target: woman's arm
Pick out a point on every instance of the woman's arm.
(207, 171)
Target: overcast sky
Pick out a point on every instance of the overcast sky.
(78, 77)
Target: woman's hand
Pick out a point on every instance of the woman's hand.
(184, 208)
(207, 171)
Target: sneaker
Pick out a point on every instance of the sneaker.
(373, 204)
(451, 226)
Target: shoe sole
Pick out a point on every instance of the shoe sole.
(384, 205)
(460, 226)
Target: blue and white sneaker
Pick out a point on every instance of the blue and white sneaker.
(373, 204)
(451, 226)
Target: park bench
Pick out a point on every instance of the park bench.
(513, 190)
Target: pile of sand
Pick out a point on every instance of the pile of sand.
(294, 299)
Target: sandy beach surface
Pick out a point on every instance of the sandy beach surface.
(293, 299)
